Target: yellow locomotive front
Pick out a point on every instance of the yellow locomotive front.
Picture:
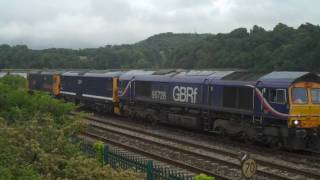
(304, 100)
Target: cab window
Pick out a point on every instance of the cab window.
(277, 96)
(315, 95)
(299, 95)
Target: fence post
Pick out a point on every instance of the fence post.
(99, 151)
(149, 170)
(106, 154)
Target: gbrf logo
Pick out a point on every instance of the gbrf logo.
(185, 94)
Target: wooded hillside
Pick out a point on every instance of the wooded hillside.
(282, 48)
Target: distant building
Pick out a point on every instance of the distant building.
(83, 57)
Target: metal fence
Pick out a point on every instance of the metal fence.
(117, 158)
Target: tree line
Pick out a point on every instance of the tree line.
(282, 48)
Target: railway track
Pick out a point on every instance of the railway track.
(190, 155)
(293, 156)
(300, 157)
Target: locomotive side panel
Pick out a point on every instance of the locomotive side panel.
(232, 99)
(98, 88)
(41, 82)
(71, 85)
(97, 93)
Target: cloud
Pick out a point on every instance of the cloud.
(93, 23)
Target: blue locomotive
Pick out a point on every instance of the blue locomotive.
(277, 108)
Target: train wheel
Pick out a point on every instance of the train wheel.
(150, 119)
(154, 121)
(221, 131)
(277, 145)
(245, 138)
(132, 115)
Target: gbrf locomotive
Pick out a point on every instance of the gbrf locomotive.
(277, 108)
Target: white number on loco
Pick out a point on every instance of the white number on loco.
(185, 94)
(162, 95)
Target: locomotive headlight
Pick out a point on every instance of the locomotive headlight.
(296, 122)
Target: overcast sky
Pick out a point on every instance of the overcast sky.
(93, 23)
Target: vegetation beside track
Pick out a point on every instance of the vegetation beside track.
(35, 138)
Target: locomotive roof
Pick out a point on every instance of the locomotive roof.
(204, 74)
(71, 73)
(133, 73)
(103, 74)
(283, 76)
(286, 78)
(192, 76)
(46, 72)
(243, 76)
(275, 78)
(200, 76)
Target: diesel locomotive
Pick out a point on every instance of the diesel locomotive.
(279, 108)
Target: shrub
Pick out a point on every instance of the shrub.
(202, 176)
